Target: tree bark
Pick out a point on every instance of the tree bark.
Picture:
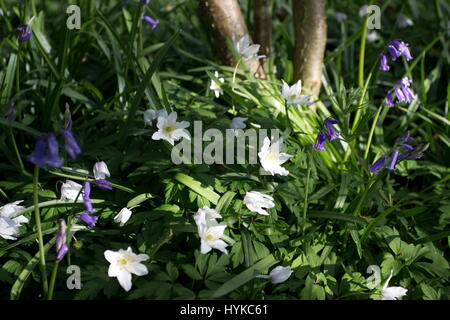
(224, 19)
(262, 25)
(310, 27)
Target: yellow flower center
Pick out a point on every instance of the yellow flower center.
(293, 96)
(169, 129)
(211, 237)
(123, 261)
(271, 156)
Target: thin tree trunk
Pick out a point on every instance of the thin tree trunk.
(310, 28)
(224, 19)
(262, 25)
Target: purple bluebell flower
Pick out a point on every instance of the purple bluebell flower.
(72, 147)
(399, 94)
(89, 220)
(103, 184)
(388, 100)
(38, 155)
(393, 52)
(408, 94)
(404, 82)
(46, 152)
(413, 153)
(321, 138)
(394, 158)
(25, 33)
(378, 165)
(402, 48)
(152, 22)
(53, 159)
(61, 247)
(404, 93)
(404, 139)
(86, 197)
(144, 2)
(383, 63)
(331, 133)
(410, 155)
(61, 252)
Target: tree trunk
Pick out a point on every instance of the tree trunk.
(262, 25)
(224, 19)
(310, 28)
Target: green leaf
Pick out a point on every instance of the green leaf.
(139, 199)
(225, 201)
(196, 186)
(245, 276)
(192, 272)
(336, 216)
(23, 276)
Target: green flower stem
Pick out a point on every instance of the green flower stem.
(52, 281)
(372, 130)
(63, 175)
(39, 230)
(288, 120)
(55, 203)
(362, 53)
(305, 203)
(16, 150)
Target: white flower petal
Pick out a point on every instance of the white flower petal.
(139, 269)
(124, 280)
(111, 256)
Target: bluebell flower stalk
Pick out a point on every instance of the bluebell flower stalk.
(330, 134)
(403, 93)
(411, 153)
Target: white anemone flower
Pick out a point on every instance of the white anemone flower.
(271, 159)
(70, 190)
(171, 130)
(123, 263)
(206, 217)
(392, 293)
(372, 36)
(293, 95)
(216, 86)
(244, 49)
(151, 114)
(404, 21)
(238, 123)
(278, 274)
(9, 221)
(256, 202)
(363, 10)
(123, 216)
(211, 238)
(101, 170)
